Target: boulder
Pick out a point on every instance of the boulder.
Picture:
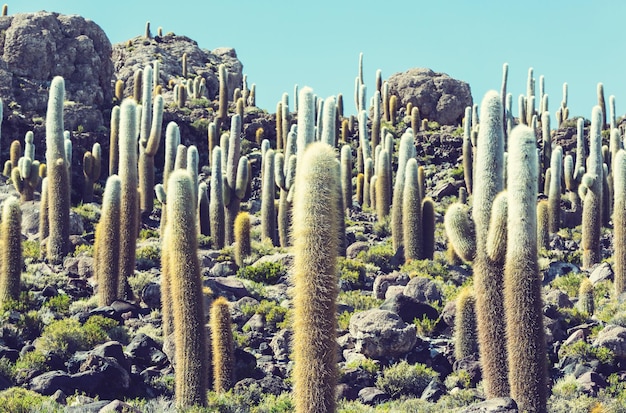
(495, 405)
(409, 309)
(423, 289)
(612, 337)
(382, 333)
(439, 97)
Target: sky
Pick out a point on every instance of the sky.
(317, 43)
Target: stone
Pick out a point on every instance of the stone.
(372, 396)
(433, 391)
(353, 249)
(591, 382)
(495, 405)
(601, 272)
(145, 351)
(382, 333)
(558, 298)
(49, 382)
(280, 345)
(384, 281)
(408, 308)
(230, 287)
(151, 295)
(557, 269)
(423, 289)
(118, 406)
(612, 337)
(439, 97)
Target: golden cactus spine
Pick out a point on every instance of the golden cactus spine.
(223, 346)
(107, 244)
(11, 250)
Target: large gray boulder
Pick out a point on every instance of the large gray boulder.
(612, 337)
(439, 97)
(382, 333)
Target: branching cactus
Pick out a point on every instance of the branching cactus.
(223, 346)
(236, 178)
(15, 152)
(181, 246)
(572, 180)
(129, 213)
(488, 182)
(107, 244)
(315, 280)
(147, 150)
(92, 165)
(592, 189)
(25, 178)
(522, 286)
(11, 250)
(58, 175)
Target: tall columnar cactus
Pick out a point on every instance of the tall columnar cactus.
(592, 189)
(585, 297)
(285, 174)
(268, 210)
(315, 280)
(236, 178)
(346, 175)
(376, 119)
(602, 104)
(216, 200)
(58, 175)
(406, 151)
(503, 94)
(172, 140)
(148, 148)
(522, 285)
(107, 244)
(242, 238)
(428, 228)
(619, 221)
(329, 122)
(92, 165)
(181, 245)
(368, 172)
(383, 189)
(364, 142)
(465, 338)
(306, 120)
(223, 346)
(467, 150)
(129, 212)
(543, 219)
(137, 85)
(44, 223)
(359, 184)
(222, 113)
(15, 152)
(554, 193)
(204, 224)
(113, 141)
(546, 146)
(488, 181)
(11, 250)
(412, 213)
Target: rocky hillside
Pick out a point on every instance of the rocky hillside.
(406, 320)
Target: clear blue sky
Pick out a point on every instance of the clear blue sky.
(317, 43)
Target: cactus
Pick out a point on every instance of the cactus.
(137, 85)
(522, 285)
(546, 146)
(412, 216)
(193, 159)
(58, 175)
(585, 297)
(406, 151)
(465, 339)
(592, 201)
(107, 244)
(113, 141)
(602, 104)
(11, 250)
(346, 175)
(428, 229)
(268, 212)
(223, 345)
(242, 238)
(416, 119)
(619, 222)
(203, 209)
(222, 113)
(236, 178)
(25, 178)
(376, 120)
(360, 183)
(216, 200)
(306, 120)
(181, 247)
(329, 122)
(44, 223)
(368, 172)
(15, 152)
(497, 233)
(488, 182)
(554, 192)
(543, 231)
(393, 109)
(129, 212)
(92, 162)
(383, 190)
(149, 144)
(285, 175)
(172, 140)
(315, 280)
(460, 231)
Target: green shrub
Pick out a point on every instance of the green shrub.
(380, 255)
(351, 273)
(369, 365)
(29, 362)
(267, 272)
(568, 283)
(19, 400)
(148, 256)
(59, 303)
(146, 233)
(359, 300)
(404, 379)
(586, 352)
(30, 250)
(90, 214)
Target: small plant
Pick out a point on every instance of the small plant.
(404, 379)
(369, 365)
(351, 273)
(425, 326)
(148, 256)
(267, 272)
(146, 233)
(59, 303)
(569, 283)
(20, 400)
(380, 255)
(90, 215)
(30, 250)
(586, 352)
(359, 300)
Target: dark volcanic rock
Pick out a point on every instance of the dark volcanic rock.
(439, 97)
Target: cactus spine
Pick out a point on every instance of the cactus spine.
(592, 200)
(107, 244)
(129, 212)
(242, 238)
(181, 245)
(58, 175)
(222, 343)
(522, 286)
(11, 250)
(585, 297)
(315, 247)
(488, 181)
(619, 221)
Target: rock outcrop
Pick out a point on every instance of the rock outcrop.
(439, 97)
